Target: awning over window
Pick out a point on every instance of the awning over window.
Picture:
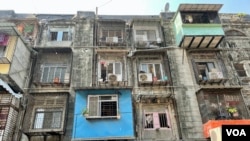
(8, 88)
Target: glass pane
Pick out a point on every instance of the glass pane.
(210, 66)
(2, 51)
(151, 69)
(63, 71)
(103, 72)
(65, 36)
(51, 74)
(110, 68)
(152, 35)
(158, 71)
(45, 74)
(117, 68)
(144, 68)
(56, 119)
(58, 72)
(39, 121)
(93, 106)
(53, 36)
(105, 97)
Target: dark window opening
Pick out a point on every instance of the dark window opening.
(204, 68)
(163, 120)
(65, 36)
(53, 36)
(149, 121)
(108, 109)
(240, 70)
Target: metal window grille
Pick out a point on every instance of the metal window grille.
(50, 73)
(103, 106)
(163, 120)
(53, 36)
(149, 120)
(48, 118)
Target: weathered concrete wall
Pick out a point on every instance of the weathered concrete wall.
(82, 67)
(20, 64)
(236, 49)
(184, 89)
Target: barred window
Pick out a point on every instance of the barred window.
(156, 120)
(102, 105)
(48, 118)
(51, 72)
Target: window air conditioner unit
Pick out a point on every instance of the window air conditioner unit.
(145, 77)
(215, 134)
(111, 39)
(114, 77)
(215, 75)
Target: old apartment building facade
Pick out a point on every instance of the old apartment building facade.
(168, 77)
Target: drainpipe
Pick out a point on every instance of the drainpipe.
(94, 48)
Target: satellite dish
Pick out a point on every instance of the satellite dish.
(167, 7)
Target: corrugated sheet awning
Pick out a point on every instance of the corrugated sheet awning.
(8, 88)
(199, 7)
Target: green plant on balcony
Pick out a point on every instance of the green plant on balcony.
(231, 110)
(85, 112)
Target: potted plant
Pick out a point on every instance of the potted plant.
(233, 111)
(85, 112)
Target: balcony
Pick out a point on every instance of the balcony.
(7, 49)
(111, 41)
(198, 26)
(213, 77)
(147, 79)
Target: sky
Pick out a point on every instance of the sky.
(115, 7)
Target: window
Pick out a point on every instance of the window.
(200, 17)
(155, 69)
(48, 118)
(59, 36)
(112, 33)
(2, 51)
(145, 35)
(156, 120)
(4, 112)
(110, 69)
(51, 73)
(204, 68)
(240, 70)
(103, 105)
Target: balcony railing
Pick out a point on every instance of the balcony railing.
(111, 41)
(112, 83)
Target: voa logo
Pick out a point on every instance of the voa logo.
(236, 132)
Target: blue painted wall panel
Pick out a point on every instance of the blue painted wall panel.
(103, 128)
